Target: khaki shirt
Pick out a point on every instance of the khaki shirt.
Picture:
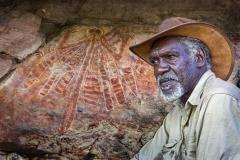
(207, 127)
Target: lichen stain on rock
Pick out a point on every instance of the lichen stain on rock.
(82, 94)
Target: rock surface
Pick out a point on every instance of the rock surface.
(19, 34)
(84, 94)
(6, 65)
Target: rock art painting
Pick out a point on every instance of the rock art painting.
(84, 93)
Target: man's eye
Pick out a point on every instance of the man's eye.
(171, 57)
(153, 61)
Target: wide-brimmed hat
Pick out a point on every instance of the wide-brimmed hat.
(221, 50)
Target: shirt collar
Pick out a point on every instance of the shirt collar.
(195, 97)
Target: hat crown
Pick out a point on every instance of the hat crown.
(173, 22)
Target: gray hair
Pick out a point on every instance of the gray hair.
(192, 45)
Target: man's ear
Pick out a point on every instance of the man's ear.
(200, 58)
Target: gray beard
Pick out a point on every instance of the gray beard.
(175, 95)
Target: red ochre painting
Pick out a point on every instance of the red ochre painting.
(85, 71)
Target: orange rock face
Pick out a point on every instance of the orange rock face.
(85, 80)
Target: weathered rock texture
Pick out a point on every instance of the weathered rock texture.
(6, 65)
(83, 94)
(19, 34)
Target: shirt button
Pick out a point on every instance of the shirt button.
(185, 152)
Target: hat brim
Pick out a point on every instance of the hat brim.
(222, 52)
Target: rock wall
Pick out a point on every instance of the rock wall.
(83, 93)
(69, 86)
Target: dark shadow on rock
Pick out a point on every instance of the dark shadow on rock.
(20, 149)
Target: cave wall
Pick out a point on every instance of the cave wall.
(69, 86)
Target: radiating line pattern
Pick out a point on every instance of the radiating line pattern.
(95, 70)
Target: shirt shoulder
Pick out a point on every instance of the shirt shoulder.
(219, 95)
(220, 98)
(218, 86)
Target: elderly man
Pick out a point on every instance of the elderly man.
(191, 60)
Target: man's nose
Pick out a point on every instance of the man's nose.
(161, 68)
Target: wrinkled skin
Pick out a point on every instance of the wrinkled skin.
(174, 67)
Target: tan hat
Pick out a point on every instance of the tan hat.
(222, 53)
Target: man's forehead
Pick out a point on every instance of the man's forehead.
(166, 45)
(159, 51)
(164, 50)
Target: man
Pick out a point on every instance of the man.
(188, 57)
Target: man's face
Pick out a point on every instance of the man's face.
(174, 68)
